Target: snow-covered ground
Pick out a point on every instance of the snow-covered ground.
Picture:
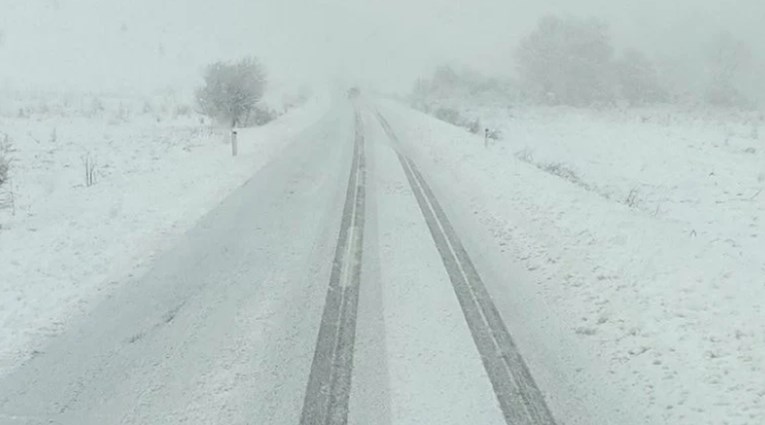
(642, 231)
(158, 169)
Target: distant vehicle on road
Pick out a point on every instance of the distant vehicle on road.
(354, 92)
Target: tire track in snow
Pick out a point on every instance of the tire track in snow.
(520, 399)
(329, 383)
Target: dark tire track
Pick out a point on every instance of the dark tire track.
(329, 383)
(520, 399)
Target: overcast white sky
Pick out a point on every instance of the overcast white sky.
(122, 45)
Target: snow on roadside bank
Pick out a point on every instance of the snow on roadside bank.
(672, 325)
(69, 245)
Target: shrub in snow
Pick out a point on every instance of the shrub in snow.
(525, 155)
(449, 115)
(453, 116)
(182, 111)
(122, 114)
(444, 84)
(632, 198)
(722, 93)
(420, 94)
(96, 106)
(231, 90)
(562, 171)
(567, 61)
(261, 116)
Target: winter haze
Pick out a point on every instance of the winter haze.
(144, 44)
(382, 212)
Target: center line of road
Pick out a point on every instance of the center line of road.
(329, 383)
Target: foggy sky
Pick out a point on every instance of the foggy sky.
(124, 45)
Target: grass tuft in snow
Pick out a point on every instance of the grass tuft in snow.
(526, 155)
(563, 171)
(7, 197)
(90, 165)
(632, 199)
(5, 158)
(5, 165)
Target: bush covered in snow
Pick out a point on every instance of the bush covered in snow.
(232, 90)
(261, 116)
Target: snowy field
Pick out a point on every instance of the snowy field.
(641, 232)
(157, 168)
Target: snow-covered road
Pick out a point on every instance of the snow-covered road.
(262, 314)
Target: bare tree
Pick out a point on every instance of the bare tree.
(567, 61)
(232, 90)
(726, 58)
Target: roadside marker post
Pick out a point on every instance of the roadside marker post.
(234, 147)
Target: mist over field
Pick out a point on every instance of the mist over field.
(143, 45)
(382, 212)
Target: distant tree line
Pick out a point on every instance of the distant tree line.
(572, 61)
(450, 83)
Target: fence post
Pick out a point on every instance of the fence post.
(234, 146)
